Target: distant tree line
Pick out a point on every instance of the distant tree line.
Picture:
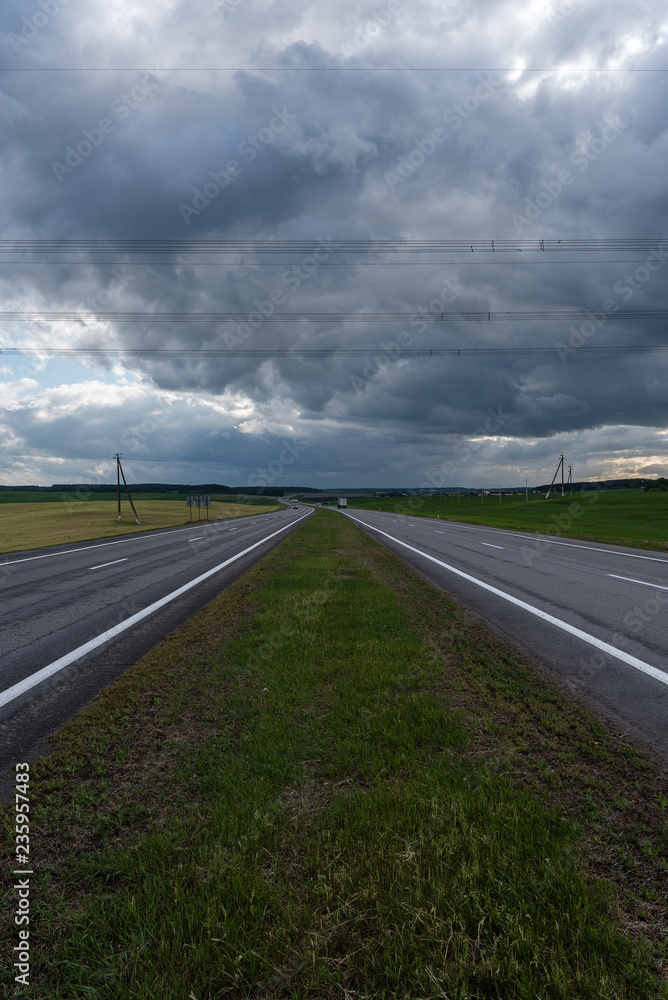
(659, 485)
(602, 484)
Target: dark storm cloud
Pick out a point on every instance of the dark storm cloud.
(340, 156)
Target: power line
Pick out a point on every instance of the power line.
(320, 69)
(328, 246)
(232, 352)
(486, 316)
(357, 263)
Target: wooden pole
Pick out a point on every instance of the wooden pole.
(118, 483)
(128, 492)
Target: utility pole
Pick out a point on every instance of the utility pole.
(570, 478)
(119, 470)
(556, 471)
(118, 482)
(526, 490)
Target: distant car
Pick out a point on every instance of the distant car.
(295, 506)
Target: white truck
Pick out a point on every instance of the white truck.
(342, 503)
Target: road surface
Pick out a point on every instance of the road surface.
(597, 614)
(74, 617)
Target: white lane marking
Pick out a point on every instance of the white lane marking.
(100, 545)
(196, 538)
(439, 532)
(553, 541)
(490, 546)
(53, 668)
(112, 563)
(605, 647)
(643, 583)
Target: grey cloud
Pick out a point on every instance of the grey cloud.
(326, 174)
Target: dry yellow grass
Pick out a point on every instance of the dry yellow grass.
(35, 525)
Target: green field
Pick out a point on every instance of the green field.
(35, 525)
(336, 783)
(623, 517)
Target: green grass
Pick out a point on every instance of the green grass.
(32, 526)
(335, 783)
(623, 517)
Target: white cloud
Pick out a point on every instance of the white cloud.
(324, 175)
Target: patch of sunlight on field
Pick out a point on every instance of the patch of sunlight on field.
(35, 525)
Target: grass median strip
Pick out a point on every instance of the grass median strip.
(335, 783)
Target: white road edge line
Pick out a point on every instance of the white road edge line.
(605, 647)
(548, 538)
(112, 563)
(30, 682)
(643, 583)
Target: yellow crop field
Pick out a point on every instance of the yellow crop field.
(35, 525)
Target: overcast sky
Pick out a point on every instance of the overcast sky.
(502, 149)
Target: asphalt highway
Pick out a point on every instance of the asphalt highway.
(73, 618)
(595, 614)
